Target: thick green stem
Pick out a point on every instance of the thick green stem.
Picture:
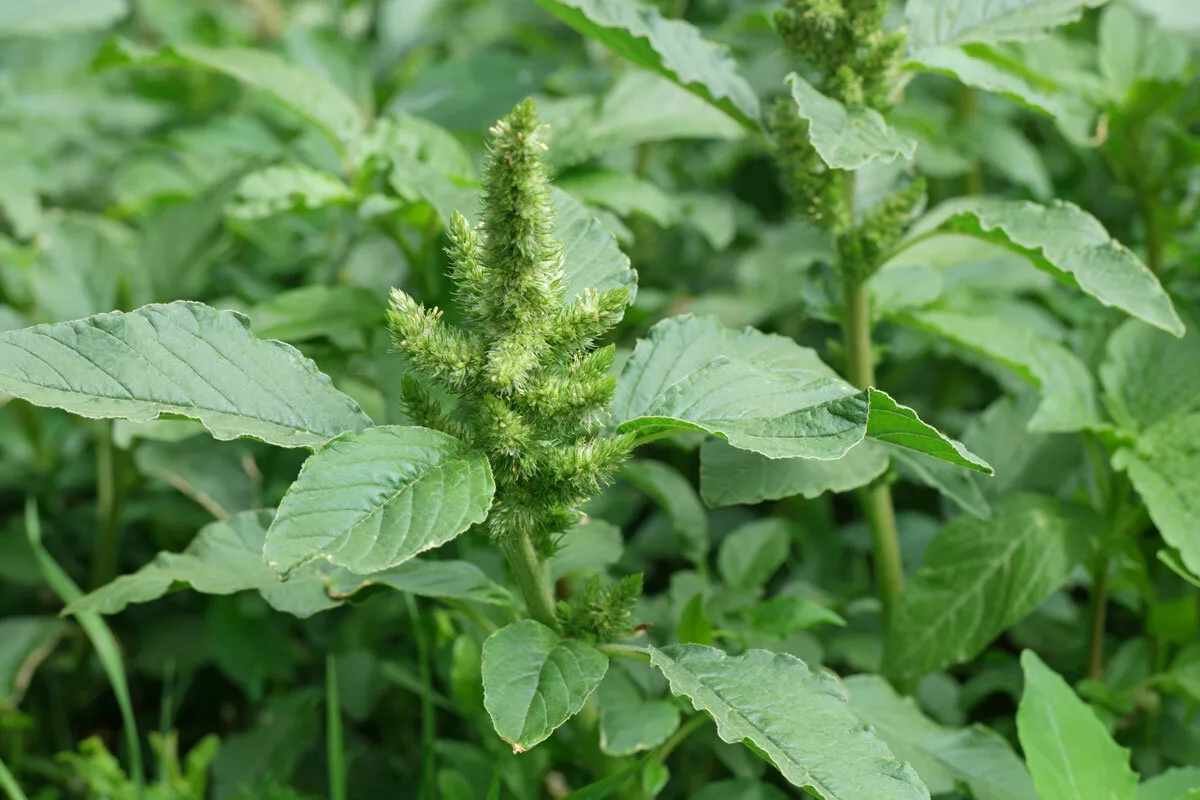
(108, 540)
(428, 785)
(1099, 617)
(877, 499)
(530, 572)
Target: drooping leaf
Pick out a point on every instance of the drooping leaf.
(592, 259)
(674, 493)
(372, 500)
(941, 22)
(629, 722)
(672, 48)
(750, 555)
(534, 680)
(25, 642)
(943, 757)
(980, 576)
(729, 476)
(224, 558)
(794, 716)
(1164, 467)
(1068, 243)
(180, 358)
(308, 93)
(847, 138)
(1070, 753)
(1067, 390)
(290, 187)
(1148, 376)
(55, 17)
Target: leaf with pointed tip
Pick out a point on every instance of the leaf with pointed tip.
(943, 757)
(940, 22)
(308, 93)
(224, 558)
(1148, 376)
(729, 476)
(1164, 467)
(847, 138)
(794, 716)
(899, 425)
(1067, 242)
(1067, 390)
(1070, 753)
(372, 500)
(534, 680)
(180, 358)
(981, 576)
(673, 48)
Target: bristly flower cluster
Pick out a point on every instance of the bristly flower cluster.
(856, 62)
(530, 384)
(601, 613)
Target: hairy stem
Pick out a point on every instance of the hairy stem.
(877, 499)
(530, 573)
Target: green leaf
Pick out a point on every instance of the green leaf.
(795, 717)
(1069, 751)
(739, 790)
(592, 259)
(290, 187)
(592, 546)
(1175, 563)
(444, 579)
(534, 681)
(784, 614)
(1067, 390)
(224, 558)
(943, 757)
(623, 193)
(1174, 784)
(694, 626)
(1164, 467)
(181, 358)
(1180, 16)
(211, 473)
(55, 17)
(847, 138)
(1148, 376)
(372, 500)
(898, 425)
(957, 485)
(940, 22)
(308, 93)
(1067, 242)
(750, 555)
(25, 642)
(729, 476)
(672, 48)
(309, 312)
(629, 723)
(667, 487)
(981, 576)
(607, 787)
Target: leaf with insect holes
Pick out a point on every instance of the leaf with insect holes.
(673, 48)
(181, 358)
(1065, 241)
(1069, 751)
(795, 717)
(534, 680)
(372, 500)
(847, 138)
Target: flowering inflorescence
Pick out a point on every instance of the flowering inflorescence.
(531, 386)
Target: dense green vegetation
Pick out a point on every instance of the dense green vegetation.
(711, 399)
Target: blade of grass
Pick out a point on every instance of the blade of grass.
(9, 784)
(334, 740)
(107, 649)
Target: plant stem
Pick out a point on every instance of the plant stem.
(1099, 616)
(428, 720)
(530, 572)
(629, 651)
(877, 499)
(334, 740)
(108, 544)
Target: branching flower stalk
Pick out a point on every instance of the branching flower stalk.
(530, 385)
(857, 61)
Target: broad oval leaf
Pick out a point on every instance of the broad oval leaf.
(981, 575)
(629, 722)
(939, 22)
(224, 558)
(180, 358)
(1070, 753)
(847, 138)
(673, 48)
(943, 757)
(1164, 467)
(534, 680)
(794, 716)
(729, 476)
(1067, 242)
(1148, 376)
(308, 93)
(372, 500)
